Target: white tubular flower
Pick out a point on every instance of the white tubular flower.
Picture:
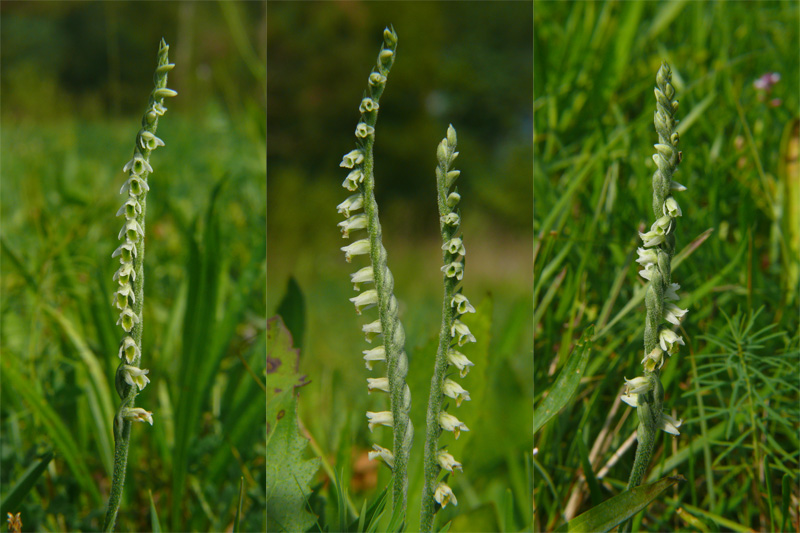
(353, 179)
(451, 423)
(382, 418)
(383, 454)
(648, 271)
(671, 207)
(637, 385)
(131, 230)
(461, 332)
(120, 300)
(135, 186)
(137, 165)
(125, 274)
(673, 313)
(351, 224)
(357, 248)
(380, 384)
(460, 361)
(148, 141)
(454, 270)
(455, 391)
(128, 349)
(372, 329)
(444, 495)
(672, 292)
(136, 376)
(365, 300)
(653, 359)
(130, 208)
(352, 158)
(675, 186)
(669, 341)
(127, 319)
(669, 424)
(126, 252)
(363, 130)
(652, 238)
(352, 203)
(647, 256)
(364, 275)
(137, 414)
(447, 461)
(375, 354)
(462, 305)
(454, 246)
(451, 219)
(368, 105)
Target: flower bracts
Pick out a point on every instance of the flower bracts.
(361, 182)
(646, 393)
(129, 277)
(452, 335)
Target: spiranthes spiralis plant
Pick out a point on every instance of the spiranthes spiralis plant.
(361, 213)
(646, 393)
(128, 300)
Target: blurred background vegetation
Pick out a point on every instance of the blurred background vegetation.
(75, 79)
(465, 63)
(735, 383)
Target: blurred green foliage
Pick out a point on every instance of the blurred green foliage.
(75, 80)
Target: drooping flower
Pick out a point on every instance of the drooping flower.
(460, 361)
(670, 424)
(447, 461)
(451, 423)
(669, 340)
(383, 454)
(455, 391)
(444, 495)
(673, 313)
(461, 332)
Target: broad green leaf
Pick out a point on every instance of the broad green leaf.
(618, 509)
(13, 498)
(292, 310)
(283, 359)
(288, 472)
(567, 382)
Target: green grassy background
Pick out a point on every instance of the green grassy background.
(465, 63)
(735, 383)
(75, 80)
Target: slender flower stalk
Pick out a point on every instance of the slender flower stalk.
(361, 181)
(646, 393)
(129, 298)
(453, 332)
